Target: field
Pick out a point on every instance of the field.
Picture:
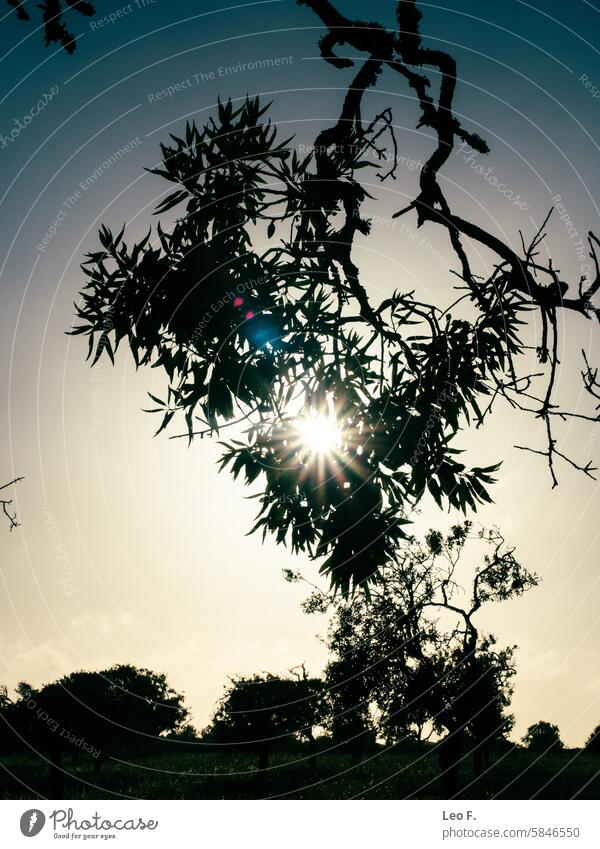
(516, 774)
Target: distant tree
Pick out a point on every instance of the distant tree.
(186, 733)
(592, 745)
(491, 721)
(393, 651)
(143, 702)
(23, 690)
(97, 713)
(543, 737)
(310, 710)
(7, 736)
(53, 12)
(348, 685)
(14, 718)
(477, 692)
(263, 709)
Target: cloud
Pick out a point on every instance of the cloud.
(35, 664)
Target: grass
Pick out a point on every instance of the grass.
(517, 774)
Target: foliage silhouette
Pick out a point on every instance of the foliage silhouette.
(260, 710)
(349, 720)
(53, 11)
(542, 737)
(102, 714)
(253, 306)
(592, 744)
(410, 661)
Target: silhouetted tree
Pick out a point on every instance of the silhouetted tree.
(263, 709)
(96, 713)
(186, 733)
(349, 692)
(543, 737)
(8, 731)
(14, 719)
(53, 12)
(253, 306)
(310, 710)
(592, 745)
(486, 690)
(393, 651)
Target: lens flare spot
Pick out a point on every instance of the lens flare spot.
(319, 434)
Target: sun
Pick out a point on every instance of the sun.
(318, 435)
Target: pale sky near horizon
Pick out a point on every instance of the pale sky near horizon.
(134, 549)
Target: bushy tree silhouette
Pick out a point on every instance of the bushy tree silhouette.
(254, 307)
(349, 719)
(592, 745)
(543, 737)
(413, 651)
(261, 710)
(100, 714)
(8, 732)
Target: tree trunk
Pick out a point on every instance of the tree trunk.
(480, 758)
(312, 753)
(450, 751)
(263, 758)
(56, 776)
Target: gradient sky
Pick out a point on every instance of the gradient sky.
(133, 549)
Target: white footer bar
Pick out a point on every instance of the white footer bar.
(302, 825)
